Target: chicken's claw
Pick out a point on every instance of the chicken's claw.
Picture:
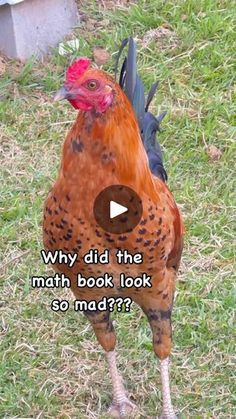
(122, 410)
(168, 416)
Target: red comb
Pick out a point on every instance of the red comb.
(77, 68)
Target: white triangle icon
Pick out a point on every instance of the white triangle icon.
(116, 209)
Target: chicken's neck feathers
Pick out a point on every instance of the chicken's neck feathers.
(109, 142)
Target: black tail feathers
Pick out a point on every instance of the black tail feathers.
(148, 123)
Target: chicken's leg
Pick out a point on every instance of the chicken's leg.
(167, 408)
(161, 329)
(121, 405)
(103, 328)
(158, 311)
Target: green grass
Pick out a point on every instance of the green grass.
(52, 366)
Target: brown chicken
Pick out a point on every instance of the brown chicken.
(113, 142)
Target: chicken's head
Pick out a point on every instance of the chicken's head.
(86, 88)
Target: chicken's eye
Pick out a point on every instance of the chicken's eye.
(92, 84)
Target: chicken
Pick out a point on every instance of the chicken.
(113, 141)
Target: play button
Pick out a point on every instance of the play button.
(118, 209)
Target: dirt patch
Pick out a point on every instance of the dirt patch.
(213, 152)
(112, 5)
(163, 36)
(2, 65)
(9, 149)
(101, 56)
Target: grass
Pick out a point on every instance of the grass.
(52, 366)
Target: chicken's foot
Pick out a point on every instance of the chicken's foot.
(121, 405)
(167, 408)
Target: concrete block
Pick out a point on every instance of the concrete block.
(31, 27)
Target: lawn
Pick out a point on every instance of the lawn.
(52, 366)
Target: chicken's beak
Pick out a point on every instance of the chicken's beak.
(61, 94)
